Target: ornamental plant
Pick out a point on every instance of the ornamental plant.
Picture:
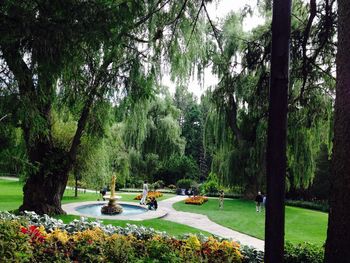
(151, 194)
(196, 200)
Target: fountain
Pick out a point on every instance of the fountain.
(112, 208)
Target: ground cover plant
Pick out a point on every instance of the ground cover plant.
(238, 214)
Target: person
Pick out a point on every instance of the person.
(152, 205)
(221, 199)
(258, 200)
(103, 192)
(144, 193)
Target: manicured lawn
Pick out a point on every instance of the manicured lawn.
(11, 199)
(171, 228)
(301, 224)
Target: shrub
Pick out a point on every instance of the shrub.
(119, 249)
(15, 246)
(303, 253)
(184, 183)
(95, 245)
(196, 200)
(315, 205)
(211, 187)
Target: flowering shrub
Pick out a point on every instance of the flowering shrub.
(96, 245)
(196, 200)
(151, 194)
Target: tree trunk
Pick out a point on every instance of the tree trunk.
(338, 234)
(277, 132)
(45, 186)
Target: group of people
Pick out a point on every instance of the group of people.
(152, 203)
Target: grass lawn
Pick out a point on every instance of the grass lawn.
(171, 228)
(301, 224)
(11, 199)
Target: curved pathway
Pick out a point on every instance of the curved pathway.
(202, 222)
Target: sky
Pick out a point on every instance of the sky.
(217, 10)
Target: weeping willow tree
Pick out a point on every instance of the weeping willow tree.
(236, 124)
(91, 51)
(152, 134)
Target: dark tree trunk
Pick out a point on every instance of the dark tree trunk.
(338, 234)
(45, 186)
(277, 132)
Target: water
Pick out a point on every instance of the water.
(95, 209)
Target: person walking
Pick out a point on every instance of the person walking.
(258, 200)
(144, 193)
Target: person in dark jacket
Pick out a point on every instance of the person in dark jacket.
(153, 205)
(258, 200)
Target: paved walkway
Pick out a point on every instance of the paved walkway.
(202, 222)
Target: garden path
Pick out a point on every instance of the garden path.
(202, 222)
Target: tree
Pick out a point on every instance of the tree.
(338, 233)
(94, 47)
(276, 156)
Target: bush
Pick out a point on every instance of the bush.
(15, 246)
(211, 185)
(184, 183)
(96, 245)
(303, 253)
(315, 205)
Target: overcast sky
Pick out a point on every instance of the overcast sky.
(218, 11)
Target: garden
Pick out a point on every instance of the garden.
(174, 131)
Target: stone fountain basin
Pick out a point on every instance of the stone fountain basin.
(159, 213)
(108, 197)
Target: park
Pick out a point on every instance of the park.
(175, 131)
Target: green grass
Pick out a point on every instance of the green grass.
(11, 199)
(171, 228)
(301, 224)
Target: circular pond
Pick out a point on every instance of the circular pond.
(95, 209)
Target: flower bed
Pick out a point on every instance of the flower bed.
(94, 244)
(151, 194)
(196, 200)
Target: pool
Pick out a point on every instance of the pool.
(95, 209)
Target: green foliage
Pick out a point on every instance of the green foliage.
(314, 205)
(178, 167)
(211, 185)
(119, 250)
(14, 245)
(184, 183)
(303, 253)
